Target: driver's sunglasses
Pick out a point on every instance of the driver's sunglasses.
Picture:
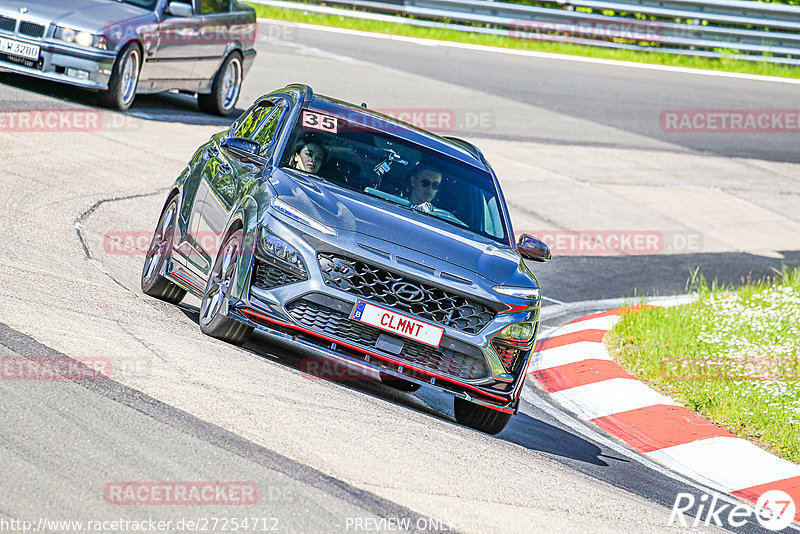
(427, 183)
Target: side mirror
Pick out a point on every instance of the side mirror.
(533, 248)
(180, 9)
(242, 149)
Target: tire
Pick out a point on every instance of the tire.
(152, 283)
(225, 89)
(124, 79)
(480, 417)
(218, 287)
(399, 384)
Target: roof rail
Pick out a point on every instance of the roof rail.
(308, 92)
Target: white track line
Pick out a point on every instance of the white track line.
(538, 55)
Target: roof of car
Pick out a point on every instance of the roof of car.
(378, 121)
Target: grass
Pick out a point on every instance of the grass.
(502, 41)
(732, 356)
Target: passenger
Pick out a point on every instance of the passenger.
(308, 157)
(425, 182)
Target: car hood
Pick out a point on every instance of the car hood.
(348, 210)
(88, 15)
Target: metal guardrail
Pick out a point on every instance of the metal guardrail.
(738, 29)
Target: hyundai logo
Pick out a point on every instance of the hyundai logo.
(407, 292)
(23, 10)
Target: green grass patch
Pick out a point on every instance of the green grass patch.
(723, 64)
(733, 356)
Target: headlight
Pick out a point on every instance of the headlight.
(297, 215)
(81, 38)
(276, 250)
(527, 293)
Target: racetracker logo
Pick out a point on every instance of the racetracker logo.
(774, 510)
(730, 121)
(175, 32)
(320, 368)
(181, 493)
(63, 120)
(54, 368)
(617, 242)
(585, 31)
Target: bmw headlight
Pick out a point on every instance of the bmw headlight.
(527, 293)
(86, 39)
(276, 250)
(295, 214)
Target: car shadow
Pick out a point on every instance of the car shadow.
(171, 107)
(522, 430)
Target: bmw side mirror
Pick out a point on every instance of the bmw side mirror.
(242, 149)
(533, 248)
(180, 9)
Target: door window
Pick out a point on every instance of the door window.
(208, 7)
(262, 123)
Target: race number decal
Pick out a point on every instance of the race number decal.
(319, 122)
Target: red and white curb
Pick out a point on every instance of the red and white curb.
(572, 364)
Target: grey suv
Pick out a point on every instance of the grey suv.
(355, 238)
(125, 47)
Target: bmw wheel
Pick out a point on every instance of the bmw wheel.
(152, 282)
(124, 79)
(226, 87)
(480, 417)
(213, 321)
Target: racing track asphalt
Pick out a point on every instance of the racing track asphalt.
(78, 307)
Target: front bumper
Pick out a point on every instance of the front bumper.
(56, 61)
(316, 317)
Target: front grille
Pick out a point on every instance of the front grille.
(31, 29)
(381, 285)
(339, 326)
(7, 24)
(509, 354)
(268, 276)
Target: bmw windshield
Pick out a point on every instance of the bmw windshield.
(147, 4)
(390, 168)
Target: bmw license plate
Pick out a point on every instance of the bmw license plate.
(397, 323)
(19, 49)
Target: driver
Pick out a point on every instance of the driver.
(425, 182)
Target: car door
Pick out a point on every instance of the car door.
(177, 46)
(225, 177)
(216, 26)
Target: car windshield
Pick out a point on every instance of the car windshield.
(147, 4)
(376, 163)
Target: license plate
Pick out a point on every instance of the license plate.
(397, 323)
(19, 49)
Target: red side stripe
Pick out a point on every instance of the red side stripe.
(616, 311)
(789, 485)
(565, 339)
(571, 375)
(655, 427)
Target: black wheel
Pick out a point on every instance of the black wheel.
(225, 89)
(479, 417)
(124, 79)
(399, 384)
(218, 288)
(153, 283)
